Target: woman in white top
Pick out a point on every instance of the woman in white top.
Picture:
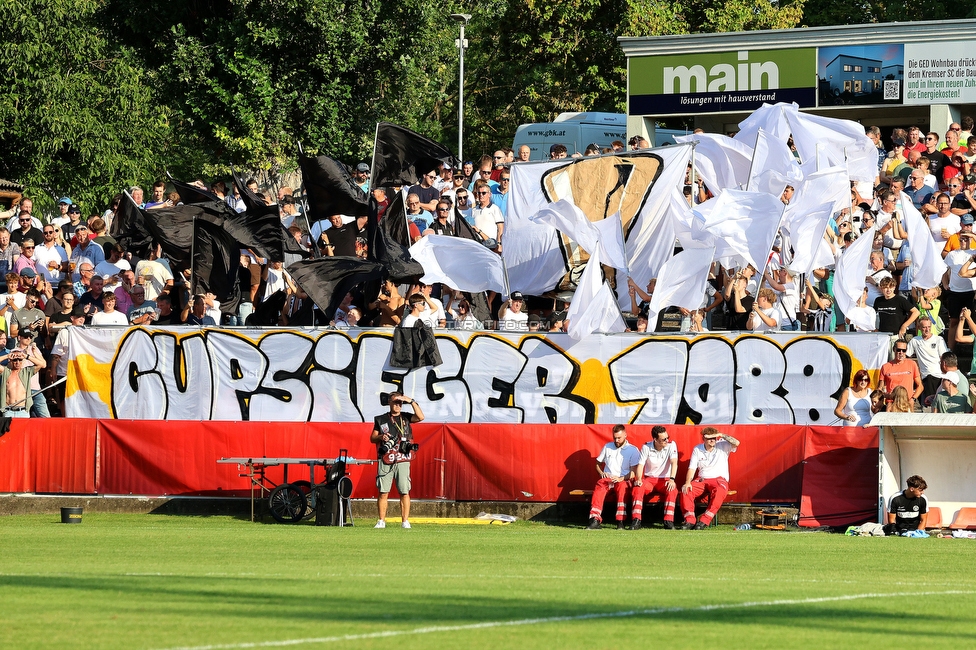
(788, 295)
(854, 405)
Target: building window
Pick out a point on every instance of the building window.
(847, 68)
(857, 85)
(857, 68)
(847, 86)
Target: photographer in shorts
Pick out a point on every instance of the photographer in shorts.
(393, 438)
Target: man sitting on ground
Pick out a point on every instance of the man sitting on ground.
(615, 465)
(908, 510)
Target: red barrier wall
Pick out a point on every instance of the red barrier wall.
(49, 455)
(831, 472)
(840, 476)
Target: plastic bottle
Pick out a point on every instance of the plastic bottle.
(743, 527)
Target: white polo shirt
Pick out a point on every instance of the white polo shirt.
(657, 464)
(714, 463)
(619, 462)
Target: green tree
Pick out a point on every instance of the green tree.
(818, 13)
(77, 116)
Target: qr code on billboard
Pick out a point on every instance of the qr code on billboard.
(892, 89)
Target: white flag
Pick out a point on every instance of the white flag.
(744, 224)
(459, 263)
(773, 166)
(594, 307)
(928, 267)
(850, 275)
(681, 282)
(770, 118)
(807, 238)
(721, 161)
(841, 142)
(570, 220)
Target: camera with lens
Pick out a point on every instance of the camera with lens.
(407, 447)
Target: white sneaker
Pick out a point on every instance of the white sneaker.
(380, 524)
(405, 524)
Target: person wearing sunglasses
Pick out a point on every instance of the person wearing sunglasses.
(937, 159)
(854, 405)
(903, 372)
(656, 473)
(489, 222)
(425, 190)
(25, 230)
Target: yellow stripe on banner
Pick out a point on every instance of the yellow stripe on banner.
(462, 521)
(97, 378)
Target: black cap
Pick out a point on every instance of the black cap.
(898, 142)
(517, 295)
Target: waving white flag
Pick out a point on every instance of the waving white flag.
(606, 233)
(721, 161)
(850, 275)
(773, 166)
(928, 267)
(743, 224)
(681, 282)
(594, 307)
(459, 263)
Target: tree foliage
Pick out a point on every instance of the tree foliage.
(104, 93)
(76, 116)
(819, 13)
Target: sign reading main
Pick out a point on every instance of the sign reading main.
(742, 80)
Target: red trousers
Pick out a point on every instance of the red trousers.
(600, 493)
(651, 486)
(716, 488)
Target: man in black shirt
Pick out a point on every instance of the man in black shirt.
(340, 239)
(895, 312)
(426, 191)
(908, 510)
(937, 159)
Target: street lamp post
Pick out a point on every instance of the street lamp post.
(461, 43)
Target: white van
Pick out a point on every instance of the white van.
(574, 130)
(578, 130)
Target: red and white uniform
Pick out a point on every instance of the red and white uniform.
(618, 463)
(713, 477)
(657, 471)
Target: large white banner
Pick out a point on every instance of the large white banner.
(344, 376)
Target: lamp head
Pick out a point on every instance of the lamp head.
(461, 18)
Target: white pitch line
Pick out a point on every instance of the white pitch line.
(562, 619)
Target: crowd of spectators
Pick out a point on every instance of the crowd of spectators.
(64, 269)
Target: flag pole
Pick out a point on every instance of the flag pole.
(508, 287)
(752, 163)
(193, 258)
(315, 248)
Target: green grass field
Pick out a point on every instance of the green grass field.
(153, 581)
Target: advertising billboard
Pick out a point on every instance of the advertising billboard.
(943, 75)
(741, 80)
(861, 75)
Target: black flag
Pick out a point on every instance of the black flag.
(327, 280)
(129, 228)
(216, 260)
(191, 193)
(331, 190)
(402, 156)
(268, 236)
(391, 243)
(172, 229)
